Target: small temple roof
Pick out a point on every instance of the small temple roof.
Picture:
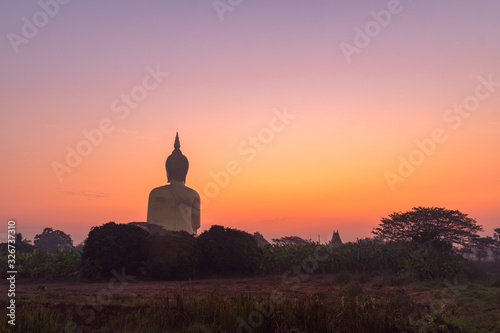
(336, 238)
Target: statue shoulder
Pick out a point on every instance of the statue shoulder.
(192, 192)
(159, 189)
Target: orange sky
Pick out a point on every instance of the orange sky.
(325, 168)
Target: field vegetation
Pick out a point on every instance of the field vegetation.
(128, 280)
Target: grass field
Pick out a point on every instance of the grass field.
(343, 302)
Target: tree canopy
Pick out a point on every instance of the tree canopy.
(228, 251)
(495, 249)
(261, 241)
(481, 247)
(291, 240)
(429, 224)
(52, 240)
(115, 247)
(22, 245)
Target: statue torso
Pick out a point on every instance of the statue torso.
(175, 206)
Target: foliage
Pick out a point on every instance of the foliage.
(438, 323)
(342, 277)
(433, 265)
(21, 245)
(427, 225)
(356, 310)
(365, 255)
(495, 247)
(216, 312)
(172, 256)
(291, 240)
(481, 247)
(364, 278)
(279, 258)
(34, 317)
(79, 247)
(177, 255)
(420, 307)
(52, 240)
(150, 227)
(114, 247)
(61, 264)
(228, 251)
(261, 241)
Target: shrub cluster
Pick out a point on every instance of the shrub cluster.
(365, 255)
(174, 255)
(225, 251)
(61, 264)
(112, 247)
(228, 251)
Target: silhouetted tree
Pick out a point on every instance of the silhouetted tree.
(432, 227)
(22, 245)
(481, 247)
(79, 247)
(291, 240)
(226, 250)
(150, 227)
(173, 255)
(114, 247)
(495, 246)
(261, 241)
(52, 240)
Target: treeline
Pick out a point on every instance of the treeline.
(116, 248)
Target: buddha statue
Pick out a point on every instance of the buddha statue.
(175, 206)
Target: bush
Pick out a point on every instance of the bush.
(114, 247)
(364, 278)
(354, 289)
(280, 258)
(433, 265)
(228, 251)
(21, 245)
(172, 256)
(62, 264)
(364, 255)
(343, 277)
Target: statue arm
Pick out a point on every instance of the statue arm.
(149, 218)
(195, 214)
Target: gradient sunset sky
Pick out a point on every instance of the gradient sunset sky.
(353, 115)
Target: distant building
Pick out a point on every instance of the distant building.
(336, 238)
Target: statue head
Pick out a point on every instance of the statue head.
(177, 164)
